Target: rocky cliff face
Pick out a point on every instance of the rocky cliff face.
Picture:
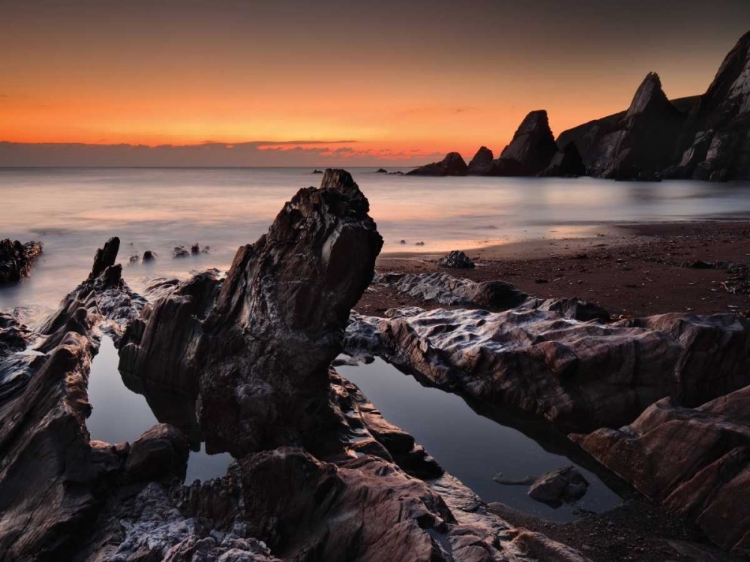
(481, 164)
(531, 150)
(705, 137)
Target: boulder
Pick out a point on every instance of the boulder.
(180, 252)
(195, 249)
(16, 259)
(481, 164)
(456, 260)
(696, 461)
(530, 151)
(283, 308)
(565, 485)
(148, 256)
(159, 453)
(381, 171)
(452, 165)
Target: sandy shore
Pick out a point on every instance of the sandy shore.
(633, 270)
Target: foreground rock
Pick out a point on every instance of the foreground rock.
(452, 165)
(694, 461)
(16, 259)
(537, 357)
(565, 485)
(456, 260)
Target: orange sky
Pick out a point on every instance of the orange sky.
(418, 80)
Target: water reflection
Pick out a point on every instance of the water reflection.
(125, 406)
(474, 448)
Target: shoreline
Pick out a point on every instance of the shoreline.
(629, 269)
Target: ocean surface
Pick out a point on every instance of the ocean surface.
(74, 211)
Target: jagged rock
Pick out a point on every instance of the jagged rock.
(457, 260)
(584, 374)
(694, 461)
(282, 309)
(195, 249)
(531, 150)
(565, 485)
(180, 252)
(159, 453)
(481, 164)
(452, 165)
(16, 259)
(135, 258)
(317, 171)
(566, 163)
(148, 256)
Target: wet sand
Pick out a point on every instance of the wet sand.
(631, 270)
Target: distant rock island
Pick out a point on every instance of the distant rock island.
(703, 137)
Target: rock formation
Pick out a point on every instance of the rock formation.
(452, 165)
(16, 259)
(583, 374)
(567, 163)
(565, 485)
(456, 260)
(481, 164)
(694, 461)
(531, 150)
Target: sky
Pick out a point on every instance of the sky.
(292, 82)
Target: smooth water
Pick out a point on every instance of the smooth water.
(74, 211)
(121, 414)
(471, 447)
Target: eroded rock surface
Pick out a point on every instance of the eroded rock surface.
(538, 358)
(696, 461)
(481, 164)
(16, 259)
(560, 486)
(531, 150)
(456, 260)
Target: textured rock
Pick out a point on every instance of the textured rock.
(180, 252)
(566, 163)
(531, 150)
(161, 452)
(457, 260)
(16, 259)
(565, 485)
(695, 461)
(283, 308)
(584, 374)
(452, 165)
(482, 163)
(148, 256)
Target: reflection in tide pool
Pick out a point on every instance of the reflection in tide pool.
(470, 446)
(121, 414)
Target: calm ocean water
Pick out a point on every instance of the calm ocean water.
(74, 211)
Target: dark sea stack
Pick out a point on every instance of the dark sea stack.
(148, 256)
(381, 171)
(16, 259)
(481, 164)
(695, 461)
(452, 165)
(567, 163)
(531, 150)
(257, 349)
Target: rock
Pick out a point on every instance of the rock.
(135, 258)
(403, 242)
(16, 259)
(419, 244)
(696, 461)
(451, 165)
(283, 308)
(583, 374)
(180, 252)
(457, 260)
(105, 257)
(565, 485)
(159, 453)
(206, 250)
(195, 249)
(531, 150)
(481, 164)
(148, 256)
(567, 163)
(381, 171)
(317, 171)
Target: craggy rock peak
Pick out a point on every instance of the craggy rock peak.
(694, 461)
(531, 149)
(16, 259)
(704, 137)
(583, 374)
(256, 348)
(481, 164)
(452, 165)
(566, 163)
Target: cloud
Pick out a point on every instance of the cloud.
(315, 153)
